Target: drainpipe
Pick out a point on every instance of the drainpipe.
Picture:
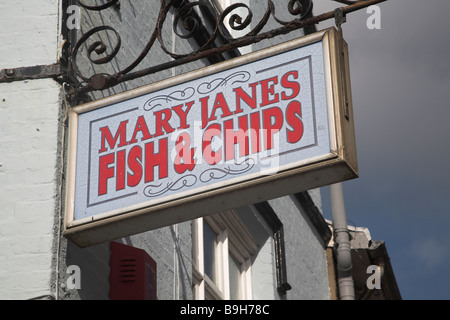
(342, 243)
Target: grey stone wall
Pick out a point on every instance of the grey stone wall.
(305, 252)
(171, 247)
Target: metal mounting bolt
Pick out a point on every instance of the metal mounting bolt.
(9, 72)
(99, 81)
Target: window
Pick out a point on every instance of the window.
(209, 252)
(222, 258)
(234, 269)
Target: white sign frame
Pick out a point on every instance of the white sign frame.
(337, 164)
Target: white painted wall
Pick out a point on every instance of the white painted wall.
(29, 32)
(29, 113)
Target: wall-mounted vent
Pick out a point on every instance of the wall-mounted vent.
(127, 270)
(132, 273)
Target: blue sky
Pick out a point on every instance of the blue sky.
(401, 100)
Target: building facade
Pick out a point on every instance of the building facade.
(276, 249)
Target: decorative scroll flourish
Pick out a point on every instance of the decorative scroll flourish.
(203, 88)
(189, 180)
(190, 23)
(186, 25)
(208, 87)
(179, 95)
(98, 47)
(157, 190)
(219, 173)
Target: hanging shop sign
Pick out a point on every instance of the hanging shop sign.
(267, 124)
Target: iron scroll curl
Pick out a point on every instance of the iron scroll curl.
(185, 24)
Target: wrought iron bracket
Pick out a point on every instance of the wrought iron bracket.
(66, 70)
(34, 72)
(300, 9)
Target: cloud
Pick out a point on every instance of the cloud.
(431, 253)
(400, 85)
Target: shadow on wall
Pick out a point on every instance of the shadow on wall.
(92, 264)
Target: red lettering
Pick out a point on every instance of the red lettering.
(105, 172)
(120, 170)
(204, 103)
(212, 157)
(242, 95)
(107, 136)
(183, 114)
(271, 128)
(141, 126)
(293, 85)
(184, 160)
(220, 103)
(294, 119)
(162, 118)
(255, 124)
(233, 137)
(134, 163)
(268, 88)
(159, 159)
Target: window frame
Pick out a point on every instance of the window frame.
(232, 238)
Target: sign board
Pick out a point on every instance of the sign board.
(264, 125)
